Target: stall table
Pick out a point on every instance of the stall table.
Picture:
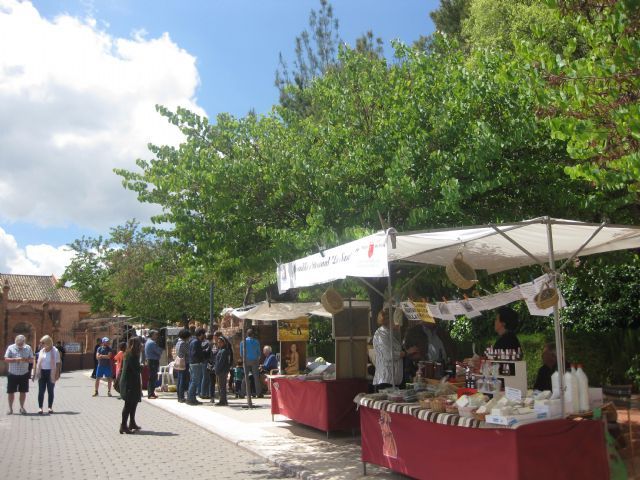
(550, 450)
(323, 404)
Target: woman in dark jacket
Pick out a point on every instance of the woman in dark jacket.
(221, 366)
(130, 386)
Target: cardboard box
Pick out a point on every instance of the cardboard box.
(515, 420)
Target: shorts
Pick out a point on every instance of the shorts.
(18, 383)
(103, 371)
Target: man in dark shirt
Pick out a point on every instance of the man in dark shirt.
(62, 351)
(505, 324)
(549, 365)
(152, 352)
(95, 359)
(196, 365)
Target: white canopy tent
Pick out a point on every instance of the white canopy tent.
(286, 311)
(494, 248)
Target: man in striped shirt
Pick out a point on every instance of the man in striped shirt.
(18, 357)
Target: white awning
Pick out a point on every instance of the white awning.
(289, 311)
(494, 248)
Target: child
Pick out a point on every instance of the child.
(238, 376)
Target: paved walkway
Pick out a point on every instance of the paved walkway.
(301, 450)
(81, 441)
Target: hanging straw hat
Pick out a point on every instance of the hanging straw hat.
(547, 297)
(332, 301)
(460, 273)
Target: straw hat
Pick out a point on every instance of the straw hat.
(332, 301)
(461, 274)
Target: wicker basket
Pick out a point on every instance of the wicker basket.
(461, 274)
(332, 301)
(547, 297)
(439, 404)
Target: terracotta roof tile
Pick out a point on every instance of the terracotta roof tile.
(38, 288)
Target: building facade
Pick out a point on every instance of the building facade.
(33, 306)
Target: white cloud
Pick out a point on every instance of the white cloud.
(33, 259)
(77, 103)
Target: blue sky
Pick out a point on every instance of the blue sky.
(219, 56)
(237, 42)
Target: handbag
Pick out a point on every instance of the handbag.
(180, 363)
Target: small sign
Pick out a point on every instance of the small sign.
(513, 394)
(72, 347)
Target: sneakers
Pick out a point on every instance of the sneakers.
(151, 397)
(95, 394)
(193, 402)
(220, 404)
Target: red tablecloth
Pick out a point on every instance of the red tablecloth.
(325, 405)
(549, 450)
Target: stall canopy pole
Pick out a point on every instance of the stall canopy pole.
(533, 257)
(556, 318)
(368, 284)
(390, 327)
(577, 252)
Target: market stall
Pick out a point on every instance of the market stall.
(322, 402)
(494, 248)
(426, 449)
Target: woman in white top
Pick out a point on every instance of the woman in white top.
(388, 362)
(47, 371)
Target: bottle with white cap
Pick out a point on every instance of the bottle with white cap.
(571, 403)
(583, 389)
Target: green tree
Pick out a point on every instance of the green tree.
(590, 97)
(502, 23)
(448, 18)
(135, 273)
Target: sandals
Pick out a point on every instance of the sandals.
(22, 411)
(40, 412)
(50, 411)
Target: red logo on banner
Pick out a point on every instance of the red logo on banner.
(370, 252)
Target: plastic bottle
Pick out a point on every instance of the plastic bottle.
(576, 389)
(583, 389)
(555, 385)
(571, 391)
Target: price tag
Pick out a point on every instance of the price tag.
(513, 394)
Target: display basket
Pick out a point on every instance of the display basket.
(332, 301)
(461, 274)
(547, 297)
(439, 404)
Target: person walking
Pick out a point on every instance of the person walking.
(222, 367)
(95, 358)
(196, 365)
(19, 358)
(182, 352)
(131, 386)
(152, 352)
(251, 359)
(104, 355)
(47, 372)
